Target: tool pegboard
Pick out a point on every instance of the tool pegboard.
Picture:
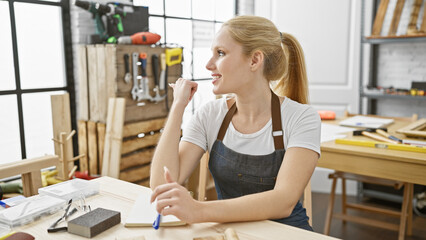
(109, 70)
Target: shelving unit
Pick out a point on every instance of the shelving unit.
(375, 42)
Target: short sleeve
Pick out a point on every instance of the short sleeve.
(305, 131)
(195, 131)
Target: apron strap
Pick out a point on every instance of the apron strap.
(226, 121)
(277, 132)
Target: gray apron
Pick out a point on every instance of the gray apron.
(236, 174)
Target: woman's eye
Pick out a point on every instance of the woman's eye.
(220, 53)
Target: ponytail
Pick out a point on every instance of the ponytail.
(294, 83)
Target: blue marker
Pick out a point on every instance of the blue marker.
(156, 223)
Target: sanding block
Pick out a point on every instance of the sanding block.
(94, 222)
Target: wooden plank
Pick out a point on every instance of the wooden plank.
(396, 17)
(423, 26)
(93, 83)
(412, 25)
(82, 144)
(113, 137)
(93, 147)
(149, 111)
(83, 93)
(101, 129)
(367, 221)
(137, 158)
(61, 120)
(139, 143)
(133, 129)
(101, 82)
(380, 16)
(28, 165)
(63, 159)
(144, 182)
(111, 71)
(136, 174)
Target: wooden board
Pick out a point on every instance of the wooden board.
(82, 144)
(133, 129)
(61, 120)
(380, 16)
(93, 83)
(396, 17)
(137, 158)
(83, 97)
(92, 138)
(140, 143)
(101, 129)
(101, 82)
(423, 26)
(415, 129)
(412, 25)
(113, 137)
(136, 174)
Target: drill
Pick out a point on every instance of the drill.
(113, 13)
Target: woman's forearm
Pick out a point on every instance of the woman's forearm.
(260, 206)
(167, 150)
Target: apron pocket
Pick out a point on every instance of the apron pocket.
(254, 184)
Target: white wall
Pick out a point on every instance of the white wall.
(329, 32)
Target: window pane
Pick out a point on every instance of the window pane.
(225, 10)
(7, 70)
(40, 45)
(156, 25)
(154, 6)
(217, 27)
(38, 123)
(203, 9)
(180, 32)
(10, 145)
(201, 57)
(178, 8)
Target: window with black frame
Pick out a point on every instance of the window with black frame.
(33, 66)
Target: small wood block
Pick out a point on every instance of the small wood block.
(94, 222)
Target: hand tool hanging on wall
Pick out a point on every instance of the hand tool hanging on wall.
(173, 56)
(144, 38)
(127, 75)
(155, 67)
(135, 88)
(163, 78)
(143, 93)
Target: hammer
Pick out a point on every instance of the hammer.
(369, 132)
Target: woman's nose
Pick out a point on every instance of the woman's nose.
(210, 65)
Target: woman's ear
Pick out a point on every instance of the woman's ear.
(256, 60)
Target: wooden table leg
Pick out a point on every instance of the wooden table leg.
(330, 208)
(404, 209)
(410, 210)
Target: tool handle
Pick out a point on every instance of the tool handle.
(385, 134)
(377, 137)
(142, 59)
(155, 66)
(126, 63)
(163, 61)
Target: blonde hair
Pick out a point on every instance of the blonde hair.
(283, 55)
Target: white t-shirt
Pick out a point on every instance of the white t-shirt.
(301, 126)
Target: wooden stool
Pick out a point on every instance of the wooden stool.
(406, 209)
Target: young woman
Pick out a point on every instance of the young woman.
(263, 148)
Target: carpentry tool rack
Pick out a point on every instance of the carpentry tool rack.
(102, 75)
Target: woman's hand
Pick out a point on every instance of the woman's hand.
(173, 198)
(183, 91)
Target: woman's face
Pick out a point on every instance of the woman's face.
(229, 67)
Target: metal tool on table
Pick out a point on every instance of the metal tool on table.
(369, 132)
(155, 67)
(143, 93)
(135, 89)
(127, 75)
